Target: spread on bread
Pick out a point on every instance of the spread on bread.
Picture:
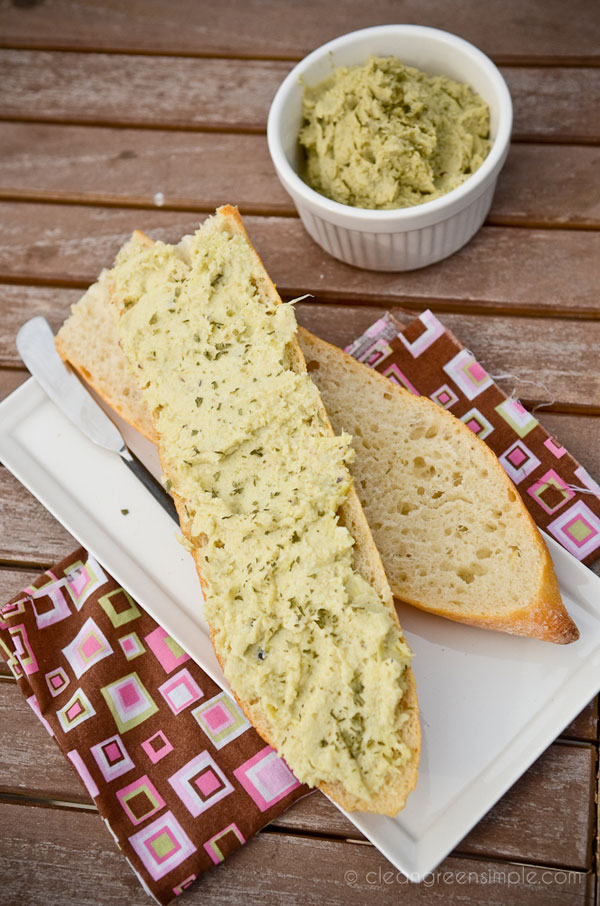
(454, 535)
(259, 479)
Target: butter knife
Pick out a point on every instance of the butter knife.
(35, 343)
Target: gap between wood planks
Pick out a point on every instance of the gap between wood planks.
(548, 60)
(306, 833)
(228, 129)
(13, 564)
(98, 201)
(171, 127)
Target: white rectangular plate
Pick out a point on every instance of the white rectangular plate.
(490, 703)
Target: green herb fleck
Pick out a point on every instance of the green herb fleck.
(321, 618)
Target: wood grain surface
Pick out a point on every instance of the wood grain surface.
(28, 533)
(502, 269)
(12, 580)
(540, 185)
(508, 31)
(116, 116)
(79, 858)
(558, 104)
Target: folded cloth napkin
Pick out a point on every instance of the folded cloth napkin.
(427, 359)
(177, 772)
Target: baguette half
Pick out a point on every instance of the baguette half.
(454, 535)
(509, 592)
(362, 760)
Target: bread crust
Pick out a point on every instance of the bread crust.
(125, 414)
(394, 792)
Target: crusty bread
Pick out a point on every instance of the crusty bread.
(508, 591)
(400, 776)
(89, 341)
(453, 533)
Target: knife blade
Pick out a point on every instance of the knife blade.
(35, 343)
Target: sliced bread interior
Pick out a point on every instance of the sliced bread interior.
(453, 533)
(89, 341)
(300, 611)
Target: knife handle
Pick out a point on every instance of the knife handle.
(150, 483)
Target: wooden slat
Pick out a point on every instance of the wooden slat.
(585, 725)
(194, 171)
(507, 31)
(10, 380)
(28, 533)
(551, 361)
(558, 104)
(19, 303)
(501, 269)
(542, 104)
(529, 822)
(77, 861)
(540, 185)
(13, 580)
(547, 185)
(152, 91)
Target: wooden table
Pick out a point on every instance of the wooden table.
(148, 114)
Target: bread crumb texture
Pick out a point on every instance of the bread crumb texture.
(261, 479)
(454, 535)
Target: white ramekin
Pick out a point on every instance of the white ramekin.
(405, 238)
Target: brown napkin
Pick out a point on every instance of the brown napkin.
(177, 772)
(427, 359)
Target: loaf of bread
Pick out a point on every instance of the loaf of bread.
(453, 534)
(300, 612)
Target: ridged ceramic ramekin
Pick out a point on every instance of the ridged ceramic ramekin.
(404, 238)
